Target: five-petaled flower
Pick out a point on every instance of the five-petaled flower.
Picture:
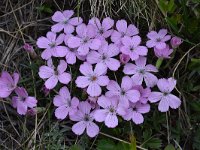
(93, 80)
(165, 97)
(85, 119)
(141, 72)
(66, 105)
(54, 75)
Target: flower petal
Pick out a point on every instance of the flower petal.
(64, 78)
(82, 81)
(79, 127)
(51, 82)
(94, 89)
(155, 96)
(61, 112)
(111, 121)
(92, 129)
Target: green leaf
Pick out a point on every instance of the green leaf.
(153, 143)
(133, 142)
(44, 8)
(105, 144)
(75, 147)
(169, 147)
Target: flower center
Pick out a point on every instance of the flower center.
(86, 117)
(123, 34)
(85, 40)
(111, 109)
(65, 21)
(142, 71)
(134, 109)
(132, 48)
(123, 92)
(158, 40)
(101, 31)
(93, 78)
(165, 93)
(104, 57)
(52, 45)
(56, 72)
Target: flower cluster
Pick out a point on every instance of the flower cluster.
(100, 49)
(21, 100)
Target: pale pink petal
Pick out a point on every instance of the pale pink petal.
(43, 42)
(64, 78)
(111, 121)
(84, 107)
(160, 45)
(51, 82)
(79, 127)
(152, 35)
(51, 36)
(127, 41)
(141, 50)
(103, 80)
(83, 49)
(75, 21)
(15, 78)
(112, 50)
(58, 16)
(163, 85)
(125, 50)
(134, 56)
(121, 26)
(128, 115)
(86, 69)
(133, 95)
(68, 28)
(130, 69)
(150, 79)
(141, 62)
(113, 86)
(62, 67)
(95, 21)
(151, 68)
(81, 30)
(61, 112)
(150, 43)
(68, 13)
(60, 39)
(82, 81)
(46, 54)
(57, 27)
(107, 23)
(127, 83)
(115, 36)
(92, 129)
(78, 116)
(100, 115)
(95, 44)
(64, 92)
(45, 72)
(93, 57)
(163, 105)
(174, 102)
(31, 101)
(162, 33)
(155, 96)
(132, 30)
(143, 108)
(21, 108)
(74, 42)
(137, 79)
(100, 69)
(113, 64)
(58, 101)
(74, 102)
(166, 38)
(137, 118)
(60, 51)
(94, 89)
(70, 57)
(136, 40)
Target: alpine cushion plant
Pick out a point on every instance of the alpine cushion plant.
(100, 55)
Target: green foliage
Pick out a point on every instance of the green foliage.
(45, 9)
(169, 147)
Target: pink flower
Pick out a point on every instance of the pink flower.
(64, 21)
(53, 76)
(22, 101)
(135, 112)
(131, 47)
(93, 80)
(158, 39)
(66, 105)
(141, 72)
(175, 42)
(85, 39)
(123, 30)
(163, 53)
(144, 93)
(165, 97)
(72, 53)
(104, 57)
(28, 47)
(109, 112)
(85, 120)
(93, 102)
(125, 93)
(51, 45)
(103, 30)
(31, 112)
(45, 90)
(8, 83)
(124, 58)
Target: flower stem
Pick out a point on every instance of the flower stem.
(159, 63)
